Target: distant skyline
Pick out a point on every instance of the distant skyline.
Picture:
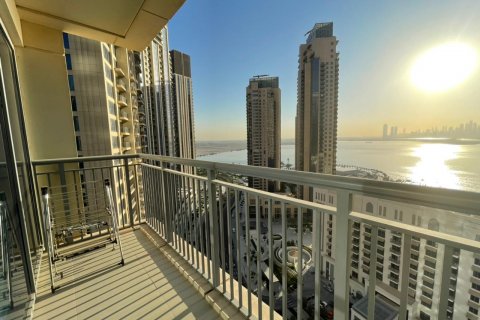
(378, 42)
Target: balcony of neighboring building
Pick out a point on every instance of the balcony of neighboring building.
(123, 116)
(119, 73)
(125, 131)
(122, 101)
(121, 87)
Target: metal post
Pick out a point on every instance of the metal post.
(113, 212)
(213, 219)
(63, 183)
(444, 286)
(48, 235)
(342, 254)
(407, 241)
(372, 274)
(166, 207)
(129, 191)
(317, 244)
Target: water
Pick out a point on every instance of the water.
(452, 166)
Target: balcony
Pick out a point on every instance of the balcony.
(127, 146)
(125, 131)
(123, 116)
(189, 215)
(119, 73)
(122, 101)
(121, 86)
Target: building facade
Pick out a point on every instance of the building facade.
(263, 127)
(317, 104)
(103, 85)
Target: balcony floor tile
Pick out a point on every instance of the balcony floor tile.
(95, 286)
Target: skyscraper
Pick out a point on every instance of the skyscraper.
(263, 127)
(156, 87)
(182, 102)
(168, 100)
(317, 104)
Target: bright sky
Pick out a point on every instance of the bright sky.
(230, 41)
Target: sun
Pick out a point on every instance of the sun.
(443, 67)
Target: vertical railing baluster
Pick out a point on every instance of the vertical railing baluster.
(175, 215)
(247, 252)
(222, 236)
(213, 217)
(201, 215)
(126, 168)
(229, 241)
(195, 243)
(186, 224)
(407, 242)
(342, 255)
(271, 302)
(163, 204)
(300, 263)
(208, 251)
(284, 262)
(444, 285)
(239, 253)
(372, 274)
(189, 217)
(259, 257)
(317, 244)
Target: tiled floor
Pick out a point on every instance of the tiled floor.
(96, 287)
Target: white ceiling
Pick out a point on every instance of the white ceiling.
(127, 23)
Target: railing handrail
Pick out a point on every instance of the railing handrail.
(447, 199)
(453, 200)
(80, 159)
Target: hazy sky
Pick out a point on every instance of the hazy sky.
(230, 41)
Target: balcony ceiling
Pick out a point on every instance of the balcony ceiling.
(127, 23)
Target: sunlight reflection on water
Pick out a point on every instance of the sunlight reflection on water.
(432, 168)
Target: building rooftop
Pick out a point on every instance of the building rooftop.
(383, 310)
(320, 30)
(265, 81)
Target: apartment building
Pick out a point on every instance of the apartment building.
(263, 127)
(103, 87)
(425, 260)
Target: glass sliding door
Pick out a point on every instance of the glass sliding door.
(20, 216)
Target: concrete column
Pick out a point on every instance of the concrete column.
(45, 93)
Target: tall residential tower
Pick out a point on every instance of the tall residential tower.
(182, 101)
(317, 102)
(263, 127)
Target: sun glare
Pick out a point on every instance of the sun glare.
(443, 67)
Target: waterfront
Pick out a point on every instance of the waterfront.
(452, 166)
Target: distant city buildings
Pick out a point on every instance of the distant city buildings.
(263, 127)
(468, 130)
(385, 131)
(317, 104)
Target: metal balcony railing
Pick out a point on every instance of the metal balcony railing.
(227, 231)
